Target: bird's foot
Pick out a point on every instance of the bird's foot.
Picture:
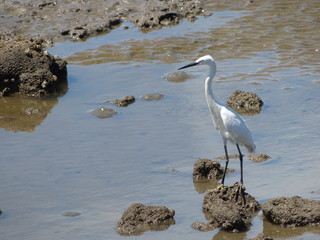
(218, 188)
(240, 190)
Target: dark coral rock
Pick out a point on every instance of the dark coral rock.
(27, 69)
(206, 168)
(292, 211)
(139, 218)
(245, 102)
(225, 210)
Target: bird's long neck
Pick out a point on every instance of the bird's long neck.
(213, 104)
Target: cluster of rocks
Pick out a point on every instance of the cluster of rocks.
(104, 112)
(229, 208)
(224, 207)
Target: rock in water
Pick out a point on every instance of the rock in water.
(292, 211)
(258, 157)
(206, 168)
(260, 236)
(151, 97)
(103, 112)
(223, 210)
(26, 68)
(123, 102)
(177, 77)
(246, 103)
(139, 218)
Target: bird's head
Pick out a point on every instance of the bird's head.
(205, 60)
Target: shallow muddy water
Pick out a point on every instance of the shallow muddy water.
(67, 160)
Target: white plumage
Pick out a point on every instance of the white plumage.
(230, 125)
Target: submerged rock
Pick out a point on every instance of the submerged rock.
(258, 157)
(177, 77)
(103, 112)
(260, 236)
(71, 214)
(207, 169)
(254, 157)
(232, 156)
(292, 211)
(202, 227)
(139, 218)
(223, 209)
(245, 102)
(151, 97)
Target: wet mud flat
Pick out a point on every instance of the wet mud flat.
(28, 27)
(75, 20)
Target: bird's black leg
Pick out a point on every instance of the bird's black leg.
(241, 187)
(241, 164)
(227, 162)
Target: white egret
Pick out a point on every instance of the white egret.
(230, 125)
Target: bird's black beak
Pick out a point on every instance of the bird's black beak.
(189, 65)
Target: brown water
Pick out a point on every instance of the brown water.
(58, 158)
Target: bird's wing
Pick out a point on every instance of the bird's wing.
(236, 128)
(231, 121)
(217, 122)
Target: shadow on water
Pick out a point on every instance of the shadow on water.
(281, 232)
(79, 163)
(20, 113)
